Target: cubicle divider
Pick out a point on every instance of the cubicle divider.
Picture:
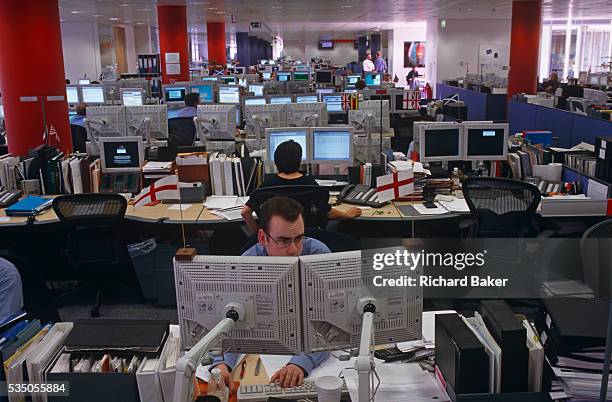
(480, 105)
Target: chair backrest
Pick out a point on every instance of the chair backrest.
(181, 131)
(596, 251)
(501, 206)
(312, 198)
(92, 222)
(79, 137)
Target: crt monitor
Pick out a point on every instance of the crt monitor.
(84, 81)
(283, 76)
(301, 76)
(210, 78)
(351, 80)
(240, 70)
(257, 89)
(229, 94)
(228, 79)
(175, 93)
(132, 97)
(332, 144)
(307, 115)
(206, 91)
(216, 122)
(485, 141)
(121, 154)
(324, 77)
(279, 99)
(266, 75)
(72, 94)
(594, 79)
(372, 79)
(276, 136)
(441, 141)
(260, 117)
(149, 122)
(92, 94)
(306, 98)
(334, 103)
(105, 121)
(255, 100)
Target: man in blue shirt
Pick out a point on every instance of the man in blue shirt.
(192, 100)
(11, 292)
(281, 234)
(380, 64)
(81, 113)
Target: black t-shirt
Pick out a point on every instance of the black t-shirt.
(276, 181)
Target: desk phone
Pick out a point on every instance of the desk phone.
(360, 195)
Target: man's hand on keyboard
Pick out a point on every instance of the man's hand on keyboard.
(227, 377)
(289, 376)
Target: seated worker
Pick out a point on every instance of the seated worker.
(81, 113)
(551, 85)
(11, 292)
(287, 158)
(281, 235)
(192, 100)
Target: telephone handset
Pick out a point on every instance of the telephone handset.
(360, 195)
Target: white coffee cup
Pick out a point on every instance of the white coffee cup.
(329, 388)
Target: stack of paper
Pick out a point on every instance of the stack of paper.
(224, 201)
(156, 170)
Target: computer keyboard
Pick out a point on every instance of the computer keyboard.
(261, 392)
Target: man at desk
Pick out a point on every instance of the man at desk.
(288, 158)
(192, 100)
(281, 235)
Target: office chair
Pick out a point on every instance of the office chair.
(79, 137)
(596, 251)
(501, 208)
(181, 132)
(93, 241)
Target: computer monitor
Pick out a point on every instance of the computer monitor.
(374, 107)
(332, 144)
(351, 80)
(105, 121)
(333, 102)
(72, 94)
(228, 79)
(275, 88)
(283, 76)
(255, 100)
(279, 99)
(594, 79)
(206, 91)
(240, 70)
(112, 91)
(442, 141)
(216, 122)
(307, 115)
(266, 75)
(324, 90)
(582, 77)
(260, 117)
(132, 97)
(84, 81)
(229, 94)
(276, 136)
(301, 76)
(142, 83)
(256, 89)
(324, 77)
(92, 94)
(603, 80)
(372, 79)
(121, 154)
(484, 141)
(210, 78)
(148, 122)
(335, 289)
(242, 82)
(306, 98)
(175, 94)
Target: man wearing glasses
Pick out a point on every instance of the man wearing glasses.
(281, 234)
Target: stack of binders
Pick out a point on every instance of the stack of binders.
(234, 176)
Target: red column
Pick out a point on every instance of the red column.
(32, 65)
(215, 35)
(525, 46)
(173, 38)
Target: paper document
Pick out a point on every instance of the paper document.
(423, 210)
(221, 201)
(330, 183)
(456, 205)
(178, 207)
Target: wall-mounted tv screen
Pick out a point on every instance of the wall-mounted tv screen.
(326, 44)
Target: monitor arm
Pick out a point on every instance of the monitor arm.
(187, 365)
(312, 120)
(144, 130)
(365, 361)
(93, 130)
(260, 124)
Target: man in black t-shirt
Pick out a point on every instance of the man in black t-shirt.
(287, 158)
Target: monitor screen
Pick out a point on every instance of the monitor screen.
(84, 81)
(326, 44)
(306, 99)
(131, 98)
(266, 75)
(325, 91)
(210, 79)
(283, 77)
(323, 77)
(372, 79)
(351, 80)
(2, 112)
(257, 89)
(257, 101)
(121, 154)
(239, 70)
(333, 102)
(229, 80)
(206, 92)
(229, 95)
(92, 94)
(441, 143)
(485, 141)
(300, 76)
(331, 145)
(280, 100)
(72, 95)
(175, 94)
(278, 137)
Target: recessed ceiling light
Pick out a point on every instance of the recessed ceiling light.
(78, 12)
(128, 22)
(219, 12)
(143, 9)
(125, 5)
(114, 19)
(97, 15)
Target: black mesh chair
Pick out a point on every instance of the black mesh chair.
(181, 132)
(79, 137)
(93, 244)
(501, 208)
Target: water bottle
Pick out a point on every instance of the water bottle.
(216, 386)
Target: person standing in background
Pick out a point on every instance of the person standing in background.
(412, 74)
(368, 66)
(380, 64)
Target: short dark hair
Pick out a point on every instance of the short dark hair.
(288, 157)
(81, 109)
(192, 99)
(287, 208)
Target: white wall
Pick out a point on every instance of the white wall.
(130, 50)
(305, 45)
(459, 41)
(81, 50)
(142, 44)
(413, 31)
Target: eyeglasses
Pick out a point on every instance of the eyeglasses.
(285, 242)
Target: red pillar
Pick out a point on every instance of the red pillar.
(32, 65)
(215, 35)
(173, 38)
(525, 46)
